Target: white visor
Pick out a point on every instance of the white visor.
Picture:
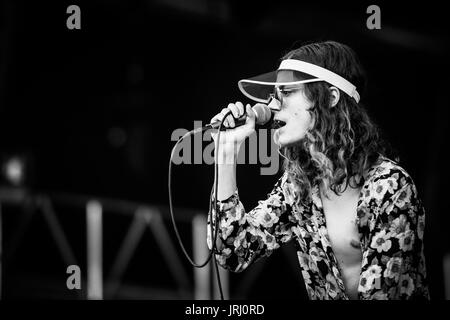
(260, 87)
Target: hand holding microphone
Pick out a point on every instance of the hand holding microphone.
(241, 122)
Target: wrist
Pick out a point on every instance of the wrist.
(228, 147)
(227, 154)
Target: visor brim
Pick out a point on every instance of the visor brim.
(260, 88)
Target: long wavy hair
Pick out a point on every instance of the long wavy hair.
(343, 142)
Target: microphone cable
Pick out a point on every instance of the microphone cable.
(213, 201)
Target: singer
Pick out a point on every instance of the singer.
(354, 213)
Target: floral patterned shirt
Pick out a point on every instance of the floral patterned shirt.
(390, 220)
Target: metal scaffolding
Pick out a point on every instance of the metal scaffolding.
(143, 217)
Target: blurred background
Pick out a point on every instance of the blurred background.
(86, 122)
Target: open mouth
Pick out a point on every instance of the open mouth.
(277, 124)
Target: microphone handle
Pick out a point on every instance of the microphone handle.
(237, 122)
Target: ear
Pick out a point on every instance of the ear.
(335, 95)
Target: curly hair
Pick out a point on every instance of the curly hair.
(343, 142)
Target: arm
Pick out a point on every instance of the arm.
(244, 237)
(393, 265)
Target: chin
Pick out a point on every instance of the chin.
(283, 142)
(283, 138)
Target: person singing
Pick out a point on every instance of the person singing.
(354, 213)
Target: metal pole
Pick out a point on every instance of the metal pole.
(1, 250)
(94, 243)
(200, 250)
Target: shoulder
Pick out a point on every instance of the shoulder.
(385, 169)
(387, 179)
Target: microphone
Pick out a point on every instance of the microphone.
(263, 116)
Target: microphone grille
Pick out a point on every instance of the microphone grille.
(263, 114)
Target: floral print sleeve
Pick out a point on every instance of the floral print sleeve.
(244, 237)
(393, 265)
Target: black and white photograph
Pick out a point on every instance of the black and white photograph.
(223, 155)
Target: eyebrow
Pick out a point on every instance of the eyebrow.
(288, 87)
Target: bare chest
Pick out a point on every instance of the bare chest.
(340, 216)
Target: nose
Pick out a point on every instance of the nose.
(274, 105)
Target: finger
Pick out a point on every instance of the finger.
(234, 109)
(251, 116)
(235, 112)
(241, 108)
(221, 116)
(216, 118)
(229, 119)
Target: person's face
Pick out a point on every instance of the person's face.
(293, 112)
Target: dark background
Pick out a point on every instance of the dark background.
(93, 110)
